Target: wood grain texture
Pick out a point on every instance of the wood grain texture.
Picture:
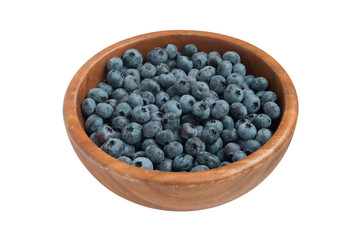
(177, 190)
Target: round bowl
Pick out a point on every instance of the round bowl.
(182, 191)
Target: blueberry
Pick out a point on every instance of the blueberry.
(249, 146)
(141, 114)
(115, 78)
(268, 96)
(171, 91)
(143, 162)
(157, 55)
(92, 123)
(88, 107)
(205, 74)
(147, 97)
(170, 121)
(132, 133)
(230, 149)
(233, 93)
(224, 68)
(151, 128)
(208, 159)
(162, 68)
(215, 147)
(129, 149)
(171, 63)
(201, 110)
(115, 63)
(147, 142)
(214, 59)
(147, 70)
(239, 68)
(112, 102)
(98, 95)
(132, 58)
(132, 72)
(228, 122)
(219, 109)
(173, 149)
(189, 118)
(171, 50)
(155, 154)
(272, 109)
(184, 63)
(229, 135)
(199, 168)
(259, 84)
(179, 73)
(182, 86)
(187, 130)
(248, 92)
(199, 129)
(167, 79)
(218, 84)
(221, 155)
(241, 121)
(164, 137)
(252, 103)
(165, 165)
(210, 101)
(123, 110)
(263, 135)
(210, 134)
(183, 162)
(200, 90)
(232, 56)
(114, 147)
(138, 154)
(117, 93)
(199, 60)
(158, 116)
(172, 106)
(189, 50)
(104, 133)
(95, 140)
(238, 110)
(194, 145)
(238, 155)
(104, 110)
(106, 87)
(262, 120)
(248, 79)
(247, 131)
(215, 123)
(161, 98)
(187, 102)
(224, 163)
(235, 78)
(135, 100)
(131, 83)
(193, 72)
(125, 160)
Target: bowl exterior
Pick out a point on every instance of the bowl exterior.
(182, 191)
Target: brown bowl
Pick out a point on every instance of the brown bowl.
(182, 191)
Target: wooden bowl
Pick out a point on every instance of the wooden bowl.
(181, 191)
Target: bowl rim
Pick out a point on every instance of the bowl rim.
(92, 152)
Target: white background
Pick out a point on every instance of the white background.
(46, 193)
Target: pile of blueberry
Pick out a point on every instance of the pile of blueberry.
(180, 110)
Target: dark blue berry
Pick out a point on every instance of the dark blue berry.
(155, 154)
(219, 109)
(232, 56)
(173, 149)
(214, 59)
(239, 68)
(147, 142)
(230, 149)
(104, 110)
(182, 86)
(184, 63)
(272, 109)
(224, 68)
(115, 78)
(200, 90)
(132, 58)
(88, 107)
(263, 135)
(189, 50)
(172, 106)
(114, 147)
(210, 134)
(171, 121)
(205, 74)
(123, 110)
(259, 84)
(199, 168)
(151, 128)
(167, 79)
(187, 102)
(247, 131)
(165, 165)
(208, 159)
(141, 114)
(201, 110)
(238, 110)
(252, 103)
(228, 122)
(249, 146)
(262, 120)
(187, 130)
(194, 146)
(215, 147)
(143, 162)
(98, 95)
(235, 78)
(131, 83)
(115, 63)
(162, 68)
(132, 133)
(157, 55)
(218, 84)
(147, 70)
(106, 87)
(238, 155)
(233, 93)
(104, 133)
(229, 135)
(199, 60)
(125, 160)
(161, 98)
(92, 123)
(164, 137)
(171, 50)
(183, 162)
(179, 73)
